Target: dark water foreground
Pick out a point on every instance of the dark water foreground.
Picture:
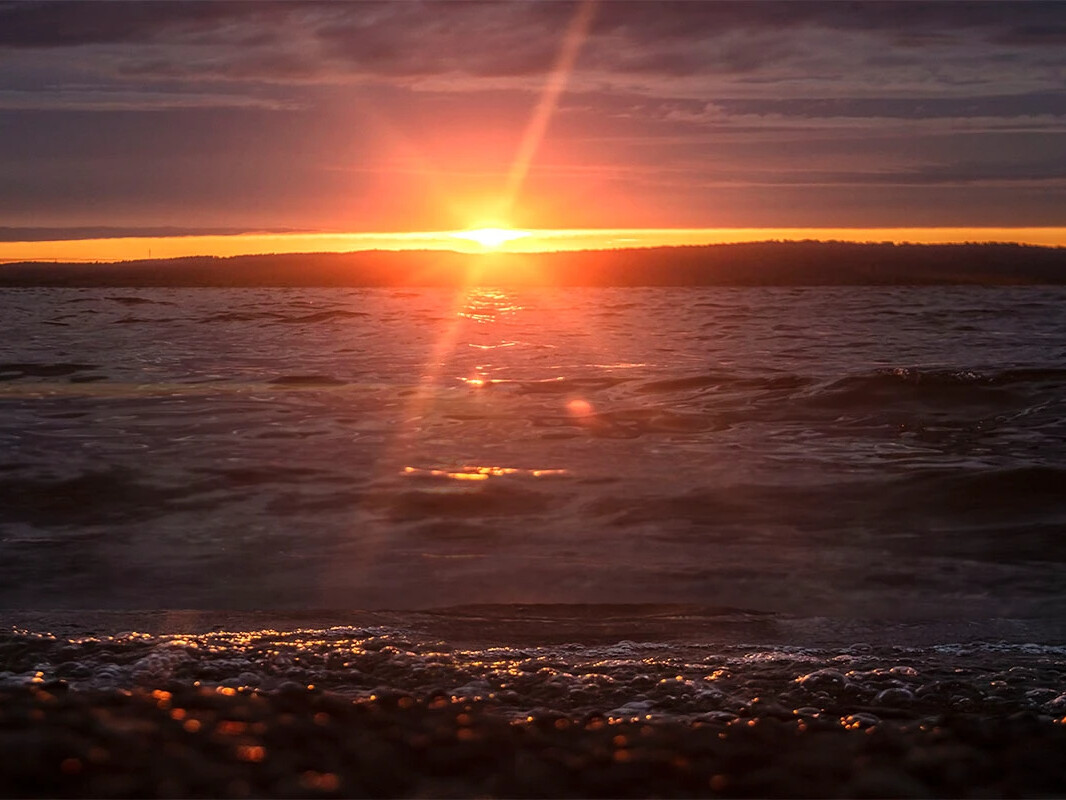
(527, 701)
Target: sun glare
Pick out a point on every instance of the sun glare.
(491, 237)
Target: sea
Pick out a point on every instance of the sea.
(735, 491)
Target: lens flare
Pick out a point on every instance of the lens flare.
(491, 237)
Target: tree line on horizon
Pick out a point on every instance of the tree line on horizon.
(772, 263)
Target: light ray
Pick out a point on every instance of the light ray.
(575, 36)
(422, 399)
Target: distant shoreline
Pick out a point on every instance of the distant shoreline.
(773, 263)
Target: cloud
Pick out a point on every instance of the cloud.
(30, 234)
(112, 99)
(298, 110)
(1017, 105)
(76, 24)
(404, 41)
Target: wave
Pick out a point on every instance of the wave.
(284, 318)
(142, 320)
(904, 391)
(726, 380)
(136, 301)
(243, 316)
(682, 384)
(307, 380)
(13, 371)
(1012, 514)
(487, 499)
(323, 316)
(565, 386)
(909, 376)
(982, 485)
(95, 496)
(882, 385)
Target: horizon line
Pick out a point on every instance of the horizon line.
(534, 240)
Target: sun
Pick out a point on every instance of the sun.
(491, 237)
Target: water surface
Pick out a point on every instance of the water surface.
(865, 452)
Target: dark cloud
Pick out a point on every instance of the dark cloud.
(682, 20)
(61, 24)
(1051, 170)
(411, 39)
(30, 234)
(78, 23)
(947, 175)
(1050, 34)
(1008, 106)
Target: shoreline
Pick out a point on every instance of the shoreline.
(547, 624)
(380, 711)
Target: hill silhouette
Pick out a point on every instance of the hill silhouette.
(804, 263)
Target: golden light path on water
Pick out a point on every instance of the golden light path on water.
(413, 464)
(476, 305)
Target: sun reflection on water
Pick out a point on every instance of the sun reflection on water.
(482, 473)
(487, 350)
(486, 304)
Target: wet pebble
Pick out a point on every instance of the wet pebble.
(894, 696)
(310, 743)
(822, 679)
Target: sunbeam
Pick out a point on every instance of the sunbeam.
(549, 98)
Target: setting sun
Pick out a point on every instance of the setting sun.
(491, 237)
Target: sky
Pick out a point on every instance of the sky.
(157, 119)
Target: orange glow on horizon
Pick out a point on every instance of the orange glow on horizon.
(533, 241)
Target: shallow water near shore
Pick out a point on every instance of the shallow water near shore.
(682, 661)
